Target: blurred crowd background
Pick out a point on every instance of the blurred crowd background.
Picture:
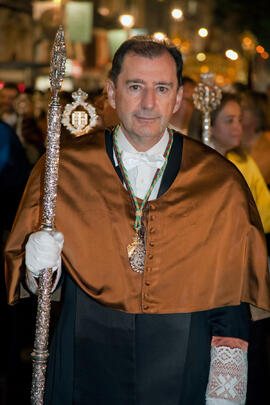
(230, 38)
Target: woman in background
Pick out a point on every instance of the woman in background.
(226, 134)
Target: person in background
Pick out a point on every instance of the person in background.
(267, 92)
(14, 172)
(180, 120)
(107, 115)
(256, 133)
(156, 272)
(8, 95)
(226, 136)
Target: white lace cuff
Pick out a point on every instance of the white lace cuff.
(219, 401)
(227, 382)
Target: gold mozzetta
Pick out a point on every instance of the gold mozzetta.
(205, 246)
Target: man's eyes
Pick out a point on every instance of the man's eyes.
(159, 89)
(134, 87)
(162, 89)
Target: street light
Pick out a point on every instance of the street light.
(127, 20)
(265, 55)
(177, 13)
(203, 32)
(160, 36)
(260, 49)
(201, 56)
(231, 54)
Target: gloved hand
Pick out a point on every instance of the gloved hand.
(43, 250)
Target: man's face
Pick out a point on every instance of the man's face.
(7, 97)
(145, 97)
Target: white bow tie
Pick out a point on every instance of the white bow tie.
(134, 159)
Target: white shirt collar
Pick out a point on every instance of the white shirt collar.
(125, 145)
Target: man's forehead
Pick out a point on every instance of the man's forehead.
(148, 63)
(150, 57)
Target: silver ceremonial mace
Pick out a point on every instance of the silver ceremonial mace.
(40, 351)
(207, 96)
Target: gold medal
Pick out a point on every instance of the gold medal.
(136, 254)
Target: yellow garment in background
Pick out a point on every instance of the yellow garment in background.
(257, 185)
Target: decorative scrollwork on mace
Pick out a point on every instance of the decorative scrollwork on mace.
(207, 96)
(40, 351)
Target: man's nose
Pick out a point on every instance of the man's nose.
(148, 99)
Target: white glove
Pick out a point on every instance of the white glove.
(43, 251)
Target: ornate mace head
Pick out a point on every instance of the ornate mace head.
(58, 62)
(207, 96)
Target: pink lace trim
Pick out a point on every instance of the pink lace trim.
(230, 342)
(228, 374)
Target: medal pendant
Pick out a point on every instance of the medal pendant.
(136, 254)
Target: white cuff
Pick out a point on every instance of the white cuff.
(219, 401)
(227, 377)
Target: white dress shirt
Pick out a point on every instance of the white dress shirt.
(141, 176)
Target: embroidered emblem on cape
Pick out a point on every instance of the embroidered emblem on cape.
(79, 117)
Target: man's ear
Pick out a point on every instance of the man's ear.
(111, 93)
(178, 101)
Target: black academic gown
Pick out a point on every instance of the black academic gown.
(101, 356)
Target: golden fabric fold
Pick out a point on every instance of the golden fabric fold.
(205, 243)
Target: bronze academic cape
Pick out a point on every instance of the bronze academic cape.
(205, 244)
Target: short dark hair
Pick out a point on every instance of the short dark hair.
(187, 79)
(148, 47)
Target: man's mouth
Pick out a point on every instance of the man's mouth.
(145, 118)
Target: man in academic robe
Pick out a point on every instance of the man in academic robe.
(163, 252)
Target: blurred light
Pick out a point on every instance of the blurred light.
(204, 69)
(177, 41)
(57, 1)
(42, 83)
(185, 47)
(1, 85)
(68, 67)
(247, 43)
(200, 56)
(159, 36)
(220, 80)
(203, 32)
(127, 20)
(21, 87)
(260, 49)
(231, 54)
(104, 11)
(177, 13)
(231, 71)
(73, 68)
(265, 55)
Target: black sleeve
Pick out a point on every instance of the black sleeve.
(231, 321)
